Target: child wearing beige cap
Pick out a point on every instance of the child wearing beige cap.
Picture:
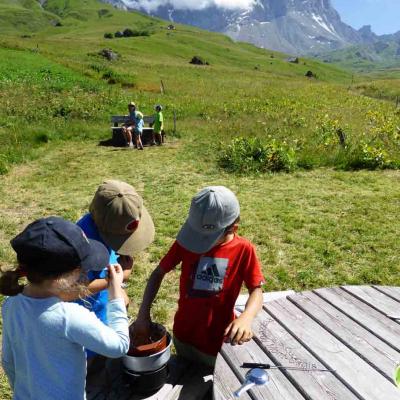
(118, 219)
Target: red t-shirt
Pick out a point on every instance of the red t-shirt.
(209, 286)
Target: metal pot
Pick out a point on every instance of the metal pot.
(156, 343)
(151, 362)
(146, 382)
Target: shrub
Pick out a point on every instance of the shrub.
(104, 13)
(196, 60)
(96, 67)
(252, 155)
(111, 76)
(128, 32)
(368, 156)
(119, 34)
(330, 132)
(133, 33)
(108, 35)
(41, 138)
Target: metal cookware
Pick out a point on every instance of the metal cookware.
(146, 382)
(156, 342)
(150, 362)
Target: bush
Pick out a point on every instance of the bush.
(111, 76)
(108, 35)
(330, 132)
(133, 33)
(98, 68)
(196, 60)
(104, 13)
(252, 155)
(119, 34)
(368, 156)
(127, 32)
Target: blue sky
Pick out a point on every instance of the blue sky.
(382, 15)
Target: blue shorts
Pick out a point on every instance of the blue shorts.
(137, 132)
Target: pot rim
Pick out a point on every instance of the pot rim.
(169, 343)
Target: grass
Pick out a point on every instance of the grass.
(314, 228)
(326, 236)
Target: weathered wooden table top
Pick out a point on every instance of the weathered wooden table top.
(353, 330)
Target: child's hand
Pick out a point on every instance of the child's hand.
(239, 331)
(115, 279)
(141, 331)
(126, 263)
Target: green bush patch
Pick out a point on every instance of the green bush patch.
(245, 155)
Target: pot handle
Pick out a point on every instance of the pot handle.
(244, 388)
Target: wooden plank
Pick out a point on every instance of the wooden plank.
(374, 298)
(393, 292)
(285, 350)
(118, 119)
(279, 388)
(369, 347)
(225, 381)
(372, 320)
(358, 375)
(148, 119)
(267, 297)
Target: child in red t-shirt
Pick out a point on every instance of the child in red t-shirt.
(214, 264)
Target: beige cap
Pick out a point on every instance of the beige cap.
(121, 218)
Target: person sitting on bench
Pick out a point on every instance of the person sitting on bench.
(135, 126)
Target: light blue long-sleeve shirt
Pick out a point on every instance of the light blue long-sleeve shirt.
(44, 340)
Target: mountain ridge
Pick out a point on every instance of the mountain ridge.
(297, 27)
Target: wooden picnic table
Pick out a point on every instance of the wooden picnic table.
(352, 330)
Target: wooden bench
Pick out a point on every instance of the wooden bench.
(118, 137)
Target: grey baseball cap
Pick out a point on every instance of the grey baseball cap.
(212, 210)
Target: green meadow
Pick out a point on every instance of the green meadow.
(331, 219)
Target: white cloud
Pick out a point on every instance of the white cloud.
(152, 5)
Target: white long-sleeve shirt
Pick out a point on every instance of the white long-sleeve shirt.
(44, 340)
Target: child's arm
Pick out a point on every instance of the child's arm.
(99, 284)
(84, 328)
(7, 360)
(239, 330)
(142, 324)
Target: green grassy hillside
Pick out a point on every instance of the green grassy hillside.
(321, 225)
(366, 58)
(24, 16)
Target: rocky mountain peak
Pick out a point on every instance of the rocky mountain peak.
(296, 27)
(367, 35)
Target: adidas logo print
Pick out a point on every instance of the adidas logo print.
(210, 274)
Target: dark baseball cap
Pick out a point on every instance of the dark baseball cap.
(54, 245)
(212, 210)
